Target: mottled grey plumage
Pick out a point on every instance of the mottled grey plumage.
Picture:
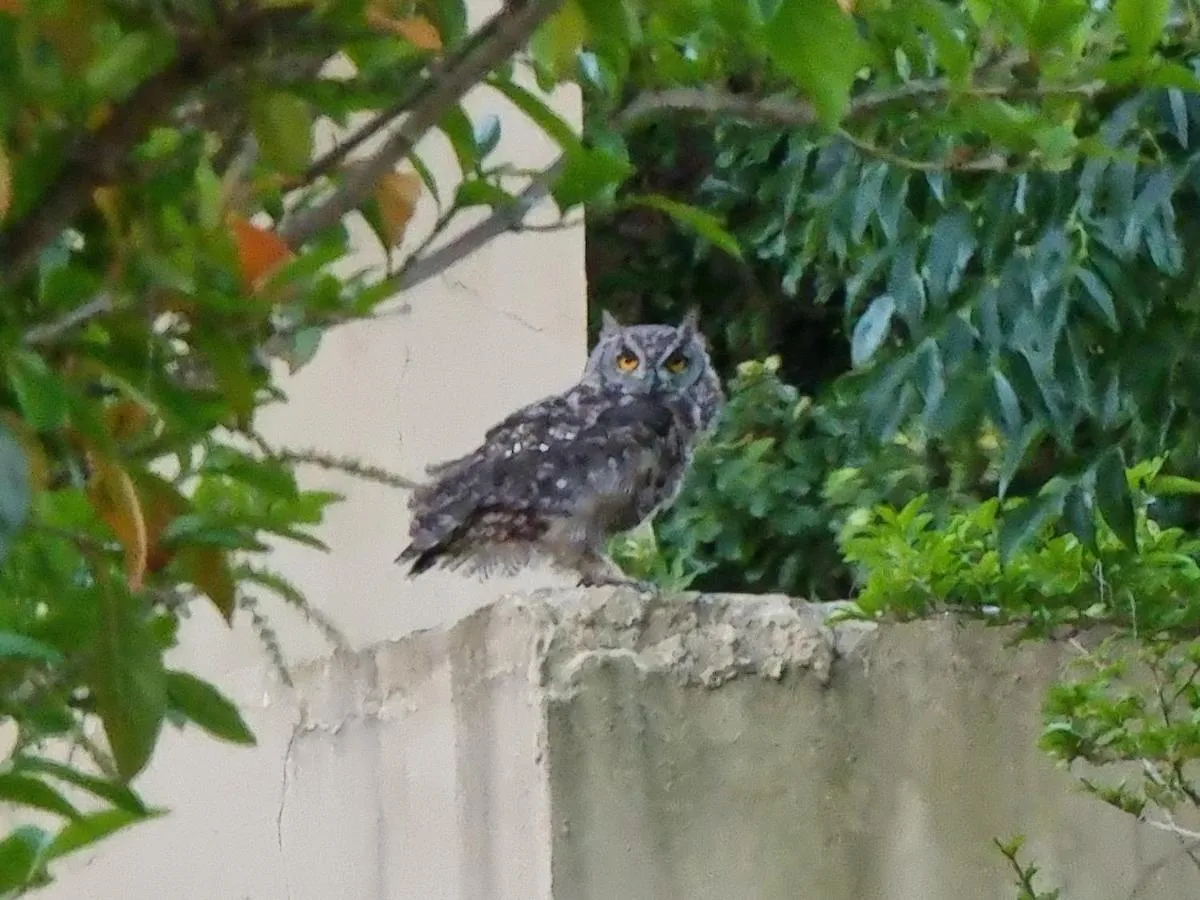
(559, 477)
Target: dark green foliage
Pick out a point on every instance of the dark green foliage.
(770, 493)
(912, 562)
(1053, 310)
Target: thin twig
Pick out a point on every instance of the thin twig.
(781, 110)
(504, 218)
(992, 162)
(419, 90)
(511, 29)
(48, 333)
(1177, 830)
(353, 467)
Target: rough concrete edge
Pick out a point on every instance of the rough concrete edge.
(552, 636)
(703, 640)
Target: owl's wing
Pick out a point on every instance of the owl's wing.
(528, 424)
(529, 474)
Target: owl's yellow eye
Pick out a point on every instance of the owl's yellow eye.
(676, 363)
(627, 362)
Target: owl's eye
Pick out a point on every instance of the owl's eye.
(676, 363)
(626, 361)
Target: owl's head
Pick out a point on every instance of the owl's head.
(670, 359)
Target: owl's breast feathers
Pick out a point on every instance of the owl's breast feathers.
(588, 463)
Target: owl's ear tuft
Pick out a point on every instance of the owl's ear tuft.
(690, 325)
(608, 324)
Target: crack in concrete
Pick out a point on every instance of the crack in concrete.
(475, 297)
(285, 782)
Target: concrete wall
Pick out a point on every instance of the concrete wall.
(597, 745)
(884, 771)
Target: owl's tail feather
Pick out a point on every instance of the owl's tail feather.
(422, 560)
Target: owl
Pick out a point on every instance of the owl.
(556, 479)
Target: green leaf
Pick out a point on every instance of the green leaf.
(16, 492)
(1010, 404)
(301, 347)
(1025, 522)
(27, 791)
(95, 827)
(818, 46)
(1056, 22)
(119, 68)
(558, 39)
(203, 704)
(1171, 485)
(1097, 291)
(20, 646)
(940, 21)
(587, 175)
(117, 794)
(40, 392)
(703, 223)
(19, 854)
(1079, 516)
(457, 127)
(450, 17)
(1113, 497)
(538, 111)
(1143, 22)
(871, 329)
(128, 681)
(487, 135)
(951, 246)
(283, 125)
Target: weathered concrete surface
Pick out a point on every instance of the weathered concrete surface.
(600, 745)
(889, 779)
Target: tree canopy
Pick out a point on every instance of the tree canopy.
(978, 207)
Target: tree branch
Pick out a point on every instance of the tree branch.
(509, 30)
(788, 112)
(507, 217)
(51, 331)
(414, 95)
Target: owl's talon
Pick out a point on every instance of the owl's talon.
(642, 587)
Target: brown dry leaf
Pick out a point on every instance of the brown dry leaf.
(125, 419)
(260, 252)
(70, 29)
(417, 30)
(162, 503)
(98, 115)
(108, 201)
(5, 182)
(16, 7)
(397, 194)
(208, 569)
(115, 500)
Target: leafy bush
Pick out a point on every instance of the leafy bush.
(1128, 708)
(1026, 567)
